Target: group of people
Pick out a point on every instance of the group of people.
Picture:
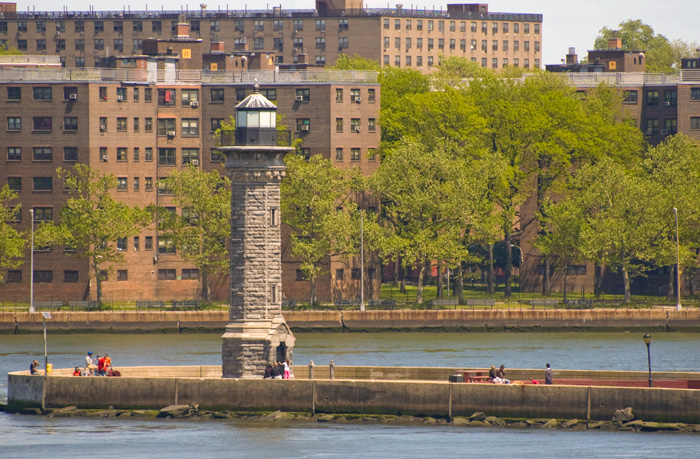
(280, 370)
(498, 376)
(101, 366)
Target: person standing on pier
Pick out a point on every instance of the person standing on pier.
(548, 375)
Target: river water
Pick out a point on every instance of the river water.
(22, 436)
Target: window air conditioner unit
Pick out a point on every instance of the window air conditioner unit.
(120, 98)
(103, 127)
(195, 162)
(171, 133)
(664, 132)
(300, 99)
(667, 104)
(304, 127)
(358, 99)
(194, 104)
(649, 132)
(104, 158)
(73, 96)
(357, 129)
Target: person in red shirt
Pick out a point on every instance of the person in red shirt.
(101, 365)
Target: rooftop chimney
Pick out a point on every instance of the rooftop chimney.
(182, 30)
(572, 57)
(615, 43)
(217, 46)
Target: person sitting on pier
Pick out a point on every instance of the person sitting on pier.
(501, 375)
(493, 374)
(90, 367)
(277, 371)
(33, 367)
(77, 372)
(100, 366)
(108, 363)
(268, 372)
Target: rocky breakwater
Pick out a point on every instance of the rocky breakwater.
(622, 420)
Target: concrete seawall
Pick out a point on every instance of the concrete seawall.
(157, 387)
(477, 320)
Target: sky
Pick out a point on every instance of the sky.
(566, 23)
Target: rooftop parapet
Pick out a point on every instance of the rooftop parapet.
(189, 76)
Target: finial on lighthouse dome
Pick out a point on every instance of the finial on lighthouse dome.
(256, 87)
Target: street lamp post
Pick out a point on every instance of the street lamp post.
(362, 263)
(47, 315)
(678, 263)
(647, 341)
(31, 266)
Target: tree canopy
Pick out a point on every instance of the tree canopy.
(12, 241)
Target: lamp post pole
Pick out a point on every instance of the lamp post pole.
(362, 262)
(647, 341)
(678, 263)
(31, 265)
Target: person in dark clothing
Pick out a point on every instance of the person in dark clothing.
(33, 367)
(276, 371)
(493, 374)
(268, 372)
(548, 375)
(501, 374)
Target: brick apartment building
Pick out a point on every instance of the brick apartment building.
(401, 37)
(662, 104)
(147, 116)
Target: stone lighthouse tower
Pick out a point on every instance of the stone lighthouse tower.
(257, 333)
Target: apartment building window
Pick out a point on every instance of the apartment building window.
(22, 45)
(354, 124)
(371, 125)
(504, 27)
(694, 93)
(166, 246)
(278, 44)
(408, 43)
(259, 25)
(320, 43)
(14, 123)
(494, 62)
(304, 94)
(122, 274)
(103, 154)
(419, 61)
(652, 126)
(339, 125)
(386, 59)
(148, 154)
(166, 97)
(484, 62)
(148, 124)
(14, 153)
(14, 94)
(148, 94)
(342, 24)
(43, 277)
(118, 44)
(695, 123)
(298, 42)
(166, 274)
(14, 183)
(166, 157)
(430, 25)
(320, 60)
(441, 43)
(136, 124)
(397, 61)
(320, 24)
(303, 124)
(338, 154)
(354, 154)
(441, 26)
(121, 183)
(189, 155)
(70, 154)
(298, 24)
(148, 186)
(484, 45)
(43, 214)
(494, 45)
(137, 154)
(505, 45)
(190, 273)
(652, 98)
(407, 61)
(166, 126)
(516, 45)
(452, 43)
(137, 185)
(629, 97)
(386, 23)
(118, 26)
(258, 43)
(277, 25)
(215, 156)
(670, 98)
(670, 126)
(122, 155)
(215, 123)
(121, 124)
(188, 96)
(194, 26)
(41, 45)
(343, 43)
(537, 46)
(516, 27)
(102, 93)
(99, 26)
(430, 44)
(430, 61)
(42, 123)
(217, 95)
(156, 26)
(41, 26)
(80, 62)
(70, 123)
(484, 28)
(371, 95)
(526, 63)
(41, 93)
(79, 27)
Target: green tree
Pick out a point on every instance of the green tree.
(5, 50)
(91, 221)
(200, 232)
(637, 36)
(356, 62)
(12, 242)
(317, 207)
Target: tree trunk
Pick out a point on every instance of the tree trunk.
(509, 265)
(312, 290)
(402, 272)
(671, 282)
(626, 280)
(546, 280)
(419, 290)
(439, 280)
(395, 280)
(205, 286)
(566, 269)
(98, 283)
(489, 274)
(598, 281)
(459, 284)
